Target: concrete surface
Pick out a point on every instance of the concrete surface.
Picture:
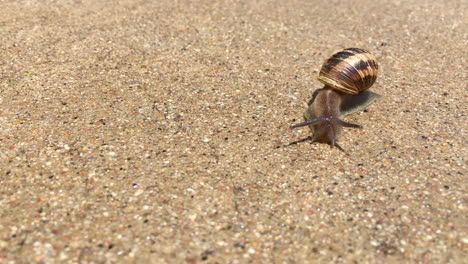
(157, 132)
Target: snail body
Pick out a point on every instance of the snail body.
(347, 75)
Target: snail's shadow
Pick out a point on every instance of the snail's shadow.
(297, 142)
(311, 101)
(312, 141)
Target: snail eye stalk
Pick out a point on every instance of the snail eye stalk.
(310, 122)
(346, 124)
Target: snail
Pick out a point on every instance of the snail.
(347, 75)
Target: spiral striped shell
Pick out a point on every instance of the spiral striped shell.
(350, 71)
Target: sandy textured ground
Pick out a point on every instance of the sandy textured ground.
(157, 132)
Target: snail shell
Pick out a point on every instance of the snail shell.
(349, 71)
